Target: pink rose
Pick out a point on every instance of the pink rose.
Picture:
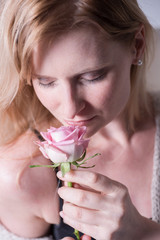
(64, 144)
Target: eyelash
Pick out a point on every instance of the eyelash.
(46, 84)
(52, 84)
(99, 78)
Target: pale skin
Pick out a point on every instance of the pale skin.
(28, 201)
(83, 80)
(114, 196)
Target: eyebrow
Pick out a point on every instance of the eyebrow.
(76, 75)
(92, 70)
(36, 75)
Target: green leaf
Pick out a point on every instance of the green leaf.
(65, 167)
(97, 154)
(79, 165)
(86, 167)
(56, 165)
(81, 158)
(75, 163)
(84, 161)
(48, 166)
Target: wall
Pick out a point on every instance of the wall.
(152, 10)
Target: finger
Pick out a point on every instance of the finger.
(90, 230)
(85, 237)
(93, 180)
(84, 215)
(93, 217)
(84, 198)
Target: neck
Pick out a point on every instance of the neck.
(115, 131)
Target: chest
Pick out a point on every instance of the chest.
(131, 166)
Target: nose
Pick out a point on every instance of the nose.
(73, 101)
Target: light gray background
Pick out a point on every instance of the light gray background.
(152, 10)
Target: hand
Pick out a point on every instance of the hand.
(100, 208)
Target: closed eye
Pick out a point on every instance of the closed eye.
(93, 78)
(44, 81)
(97, 78)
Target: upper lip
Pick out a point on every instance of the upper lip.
(78, 121)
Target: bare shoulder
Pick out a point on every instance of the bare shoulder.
(32, 191)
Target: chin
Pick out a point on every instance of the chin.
(91, 132)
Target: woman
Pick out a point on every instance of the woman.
(84, 63)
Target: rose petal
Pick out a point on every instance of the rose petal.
(82, 131)
(58, 136)
(46, 136)
(74, 151)
(63, 134)
(64, 143)
(43, 151)
(56, 156)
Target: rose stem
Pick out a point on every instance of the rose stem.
(69, 184)
(76, 232)
(66, 167)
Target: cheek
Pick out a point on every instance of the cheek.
(52, 104)
(119, 94)
(104, 95)
(47, 100)
(113, 97)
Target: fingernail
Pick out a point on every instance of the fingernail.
(61, 214)
(59, 174)
(59, 191)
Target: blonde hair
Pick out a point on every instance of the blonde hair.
(25, 23)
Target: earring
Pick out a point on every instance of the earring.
(140, 62)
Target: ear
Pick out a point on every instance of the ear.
(138, 45)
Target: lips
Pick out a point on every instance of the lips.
(82, 122)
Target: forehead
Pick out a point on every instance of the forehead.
(74, 50)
